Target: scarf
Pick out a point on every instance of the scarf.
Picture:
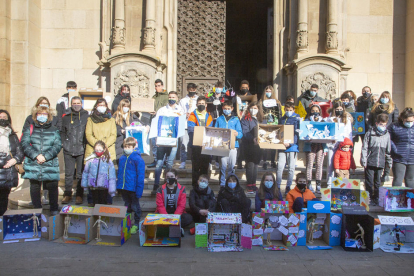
(4, 140)
(97, 117)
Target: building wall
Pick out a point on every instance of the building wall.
(409, 64)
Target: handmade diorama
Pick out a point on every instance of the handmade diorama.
(397, 234)
(358, 124)
(274, 136)
(325, 106)
(357, 229)
(160, 230)
(224, 232)
(142, 104)
(258, 220)
(20, 225)
(90, 95)
(396, 199)
(281, 207)
(345, 192)
(141, 135)
(377, 233)
(320, 132)
(201, 235)
(243, 102)
(167, 128)
(270, 114)
(295, 233)
(214, 141)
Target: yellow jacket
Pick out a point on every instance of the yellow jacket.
(105, 131)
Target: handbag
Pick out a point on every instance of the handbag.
(19, 167)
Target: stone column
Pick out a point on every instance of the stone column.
(332, 28)
(149, 30)
(302, 32)
(118, 31)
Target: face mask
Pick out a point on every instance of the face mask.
(384, 100)
(219, 90)
(4, 122)
(172, 102)
(227, 112)
(76, 108)
(268, 94)
(381, 128)
(44, 105)
(315, 114)
(101, 109)
(203, 185)
(312, 93)
(128, 151)
(346, 149)
(171, 181)
(253, 111)
(71, 90)
(365, 94)
(346, 103)
(268, 184)
(100, 153)
(301, 187)
(338, 113)
(191, 94)
(408, 124)
(244, 91)
(289, 113)
(41, 118)
(125, 109)
(232, 185)
(126, 94)
(201, 107)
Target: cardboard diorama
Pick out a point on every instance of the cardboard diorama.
(258, 219)
(243, 102)
(281, 207)
(345, 192)
(266, 230)
(201, 235)
(357, 229)
(323, 227)
(160, 230)
(358, 125)
(224, 232)
(321, 132)
(325, 106)
(397, 234)
(214, 141)
(20, 225)
(274, 136)
(396, 199)
(112, 225)
(141, 135)
(142, 104)
(167, 127)
(377, 233)
(90, 95)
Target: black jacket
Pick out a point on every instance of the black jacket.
(306, 99)
(9, 177)
(117, 100)
(381, 109)
(73, 132)
(202, 199)
(363, 103)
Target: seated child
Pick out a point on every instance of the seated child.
(202, 200)
(343, 159)
(300, 195)
(268, 190)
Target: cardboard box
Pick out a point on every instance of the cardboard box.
(201, 235)
(281, 207)
(116, 225)
(397, 234)
(377, 233)
(166, 229)
(358, 125)
(351, 236)
(285, 134)
(142, 104)
(396, 199)
(90, 95)
(224, 232)
(17, 226)
(244, 102)
(296, 230)
(214, 141)
(141, 135)
(258, 219)
(335, 133)
(167, 128)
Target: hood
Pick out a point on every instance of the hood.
(205, 191)
(227, 181)
(346, 142)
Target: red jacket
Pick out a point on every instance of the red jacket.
(343, 160)
(162, 200)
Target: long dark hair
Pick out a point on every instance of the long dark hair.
(407, 112)
(98, 101)
(105, 156)
(124, 85)
(259, 114)
(8, 119)
(275, 189)
(345, 115)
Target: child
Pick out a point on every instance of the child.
(99, 174)
(131, 175)
(299, 197)
(268, 190)
(290, 154)
(229, 121)
(375, 153)
(343, 159)
(202, 200)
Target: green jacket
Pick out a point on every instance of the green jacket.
(45, 140)
(161, 99)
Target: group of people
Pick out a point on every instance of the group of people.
(102, 160)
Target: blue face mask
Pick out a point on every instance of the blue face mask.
(172, 102)
(44, 105)
(381, 128)
(268, 184)
(289, 113)
(268, 94)
(232, 185)
(41, 118)
(408, 124)
(227, 112)
(384, 100)
(219, 90)
(128, 151)
(312, 93)
(203, 184)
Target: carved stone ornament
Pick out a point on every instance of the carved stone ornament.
(325, 83)
(331, 40)
(302, 39)
(149, 36)
(138, 83)
(118, 36)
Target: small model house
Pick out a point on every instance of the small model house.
(160, 230)
(224, 232)
(214, 141)
(397, 234)
(20, 225)
(396, 199)
(357, 229)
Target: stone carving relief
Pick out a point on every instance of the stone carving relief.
(302, 39)
(331, 40)
(138, 83)
(201, 40)
(118, 35)
(325, 83)
(149, 36)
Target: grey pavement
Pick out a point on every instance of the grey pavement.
(50, 258)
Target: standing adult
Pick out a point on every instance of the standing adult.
(11, 153)
(244, 91)
(364, 103)
(310, 96)
(73, 143)
(385, 105)
(124, 94)
(42, 101)
(62, 105)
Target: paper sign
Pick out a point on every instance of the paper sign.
(293, 219)
(283, 230)
(293, 230)
(257, 242)
(258, 220)
(268, 230)
(201, 229)
(283, 220)
(269, 103)
(246, 230)
(257, 232)
(292, 239)
(274, 219)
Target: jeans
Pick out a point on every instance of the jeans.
(132, 203)
(200, 163)
(4, 200)
(51, 186)
(164, 152)
(72, 162)
(373, 181)
(227, 166)
(99, 196)
(290, 158)
(184, 147)
(403, 172)
(154, 148)
(330, 173)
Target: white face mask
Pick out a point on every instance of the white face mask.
(101, 109)
(125, 109)
(254, 111)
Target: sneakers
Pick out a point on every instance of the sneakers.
(79, 200)
(251, 188)
(66, 199)
(134, 229)
(265, 166)
(287, 190)
(182, 166)
(310, 187)
(374, 202)
(152, 165)
(45, 197)
(192, 231)
(318, 185)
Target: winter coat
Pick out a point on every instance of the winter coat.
(363, 103)
(259, 204)
(249, 128)
(292, 120)
(402, 143)
(376, 149)
(45, 140)
(232, 123)
(9, 177)
(73, 132)
(343, 160)
(117, 100)
(180, 200)
(29, 121)
(202, 199)
(306, 100)
(62, 105)
(193, 121)
(99, 174)
(131, 173)
(120, 137)
(161, 99)
(380, 109)
(105, 131)
(295, 193)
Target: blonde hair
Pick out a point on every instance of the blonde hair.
(263, 97)
(119, 118)
(42, 109)
(391, 105)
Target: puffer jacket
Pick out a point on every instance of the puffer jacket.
(120, 137)
(45, 140)
(29, 121)
(402, 143)
(99, 174)
(180, 200)
(381, 109)
(202, 199)
(343, 160)
(131, 173)
(105, 131)
(232, 123)
(259, 204)
(376, 149)
(363, 103)
(292, 120)
(9, 177)
(295, 193)
(306, 99)
(118, 98)
(73, 132)
(249, 128)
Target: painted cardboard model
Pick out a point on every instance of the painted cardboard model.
(396, 199)
(18, 225)
(224, 232)
(397, 234)
(214, 141)
(167, 128)
(115, 230)
(90, 95)
(160, 230)
(358, 124)
(285, 134)
(345, 192)
(258, 219)
(243, 102)
(296, 229)
(320, 132)
(377, 233)
(357, 229)
(281, 207)
(140, 134)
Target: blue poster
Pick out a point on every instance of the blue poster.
(358, 126)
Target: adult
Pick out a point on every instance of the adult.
(42, 101)
(310, 96)
(11, 153)
(124, 94)
(364, 104)
(73, 143)
(41, 145)
(402, 148)
(385, 105)
(62, 105)
(244, 91)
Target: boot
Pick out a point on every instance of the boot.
(265, 166)
(79, 200)
(66, 199)
(318, 185)
(310, 186)
(152, 165)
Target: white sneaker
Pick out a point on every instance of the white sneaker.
(182, 166)
(217, 165)
(45, 197)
